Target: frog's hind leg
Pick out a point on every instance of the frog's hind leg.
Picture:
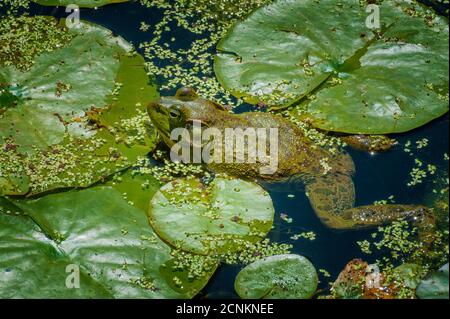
(333, 196)
(329, 197)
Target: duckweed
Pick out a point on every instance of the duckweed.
(205, 20)
(24, 38)
(306, 235)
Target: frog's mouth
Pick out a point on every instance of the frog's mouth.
(159, 115)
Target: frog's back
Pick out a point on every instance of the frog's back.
(297, 154)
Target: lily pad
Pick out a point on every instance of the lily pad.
(6, 207)
(409, 274)
(109, 240)
(32, 267)
(278, 277)
(94, 142)
(61, 85)
(137, 188)
(435, 285)
(321, 60)
(80, 3)
(209, 219)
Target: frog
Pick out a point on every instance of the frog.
(325, 175)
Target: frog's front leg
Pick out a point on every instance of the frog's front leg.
(333, 196)
(369, 143)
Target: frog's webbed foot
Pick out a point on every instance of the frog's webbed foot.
(329, 197)
(332, 198)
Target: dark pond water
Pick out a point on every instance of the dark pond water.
(377, 176)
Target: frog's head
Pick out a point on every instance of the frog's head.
(180, 111)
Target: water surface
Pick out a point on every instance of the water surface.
(377, 176)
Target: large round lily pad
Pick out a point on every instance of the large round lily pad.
(79, 113)
(100, 233)
(80, 3)
(208, 219)
(340, 74)
(278, 277)
(434, 285)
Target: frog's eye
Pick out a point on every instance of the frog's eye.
(186, 94)
(174, 113)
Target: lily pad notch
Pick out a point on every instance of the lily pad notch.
(321, 61)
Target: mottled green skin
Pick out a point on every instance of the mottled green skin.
(330, 191)
(297, 154)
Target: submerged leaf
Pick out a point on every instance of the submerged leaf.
(207, 220)
(321, 59)
(435, 285)
(278, 277)
(409, 274)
